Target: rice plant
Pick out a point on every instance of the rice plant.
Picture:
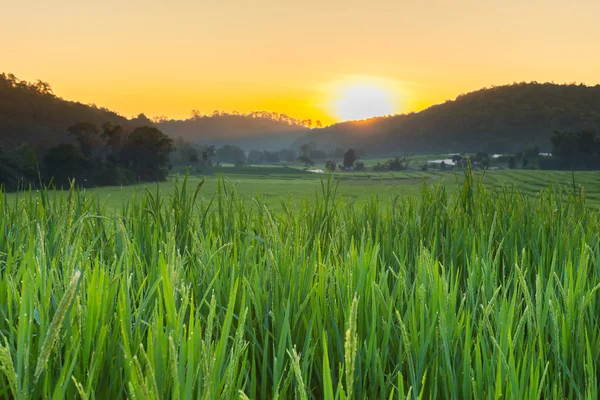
(461, 292)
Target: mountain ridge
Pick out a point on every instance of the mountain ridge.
(497, 119)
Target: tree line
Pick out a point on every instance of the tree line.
(97, 156)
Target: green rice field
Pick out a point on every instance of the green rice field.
(279, 284)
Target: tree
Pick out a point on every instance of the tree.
(531, 151)
(306, 161)
(231, 154)
(349, 158)
(87, 136)
(146, 153)
(113, 135)
(305, 149)
(580, 150)
(287, 155)
(18, 168)
(317, 154)
(397, 164)
(457, 160)
(271, 157)
(330, 166)
(182, 147)
(481, 158)
(65, 162)
(256, 157)
(192, 155)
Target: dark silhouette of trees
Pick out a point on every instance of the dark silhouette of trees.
(503, 119)
(531, 151)
(287, 155)
(330, 166)
(481, 158)
(397, 164)
(18, 168)
(359, 166)
(65, 162)
(317, 155)
(306, 161)
(306, 148)
(349, 158)
(146, 153)
(113, 135)
(32, 113)
(231, 154)
(208, 153)
(87, 136)
(573, 150)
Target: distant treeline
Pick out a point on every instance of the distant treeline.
(100, 156)
(574, 150)
(31, 113)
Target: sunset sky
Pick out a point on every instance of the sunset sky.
(296, 57)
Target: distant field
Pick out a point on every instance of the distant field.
(273, 184)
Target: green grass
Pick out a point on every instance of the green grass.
(274, 184)
(459, 291)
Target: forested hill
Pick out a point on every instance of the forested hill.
(31, 113)
(256, 130)
(498, 119)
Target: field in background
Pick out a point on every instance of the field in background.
(274, 184)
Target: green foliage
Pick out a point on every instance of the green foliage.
(146, 153)
(18, 168)
(64, 163)
(574, 150)
(306, 161)
(471, 292)
(349, 158)
(394, 164)
(231, 154)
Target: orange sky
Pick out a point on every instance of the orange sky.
(169, 57)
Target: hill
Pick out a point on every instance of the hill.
(257, 130)
(32, 113)
(498, 119)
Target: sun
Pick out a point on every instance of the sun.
(362, 100)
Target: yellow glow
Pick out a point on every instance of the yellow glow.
(361, 102)
(167, 58)
(359, 98)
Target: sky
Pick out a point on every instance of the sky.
(295, 57)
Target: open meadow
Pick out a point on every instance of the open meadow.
(458, 290)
